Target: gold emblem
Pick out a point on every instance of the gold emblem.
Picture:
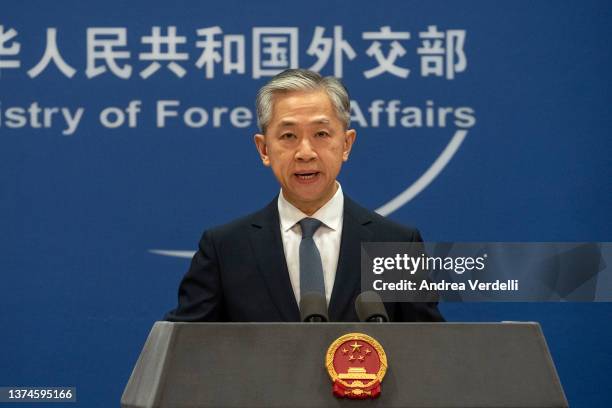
(357, 365)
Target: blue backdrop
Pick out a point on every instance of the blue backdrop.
(476, 121)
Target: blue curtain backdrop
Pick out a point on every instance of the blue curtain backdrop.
(506, 103)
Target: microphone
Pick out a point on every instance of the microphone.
(370, 308)
(313, 308)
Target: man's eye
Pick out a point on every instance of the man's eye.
(322, 134)
(287, 136)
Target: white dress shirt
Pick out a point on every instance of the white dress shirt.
(327, 238)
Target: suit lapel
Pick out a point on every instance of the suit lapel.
(347, 284)
(267, 246)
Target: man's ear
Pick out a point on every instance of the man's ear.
(262, 148)
(349, 139)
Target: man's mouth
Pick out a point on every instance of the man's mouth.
(307, 176)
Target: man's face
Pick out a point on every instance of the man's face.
(305, 145)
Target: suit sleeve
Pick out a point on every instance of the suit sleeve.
(200, 295)
(419, 311)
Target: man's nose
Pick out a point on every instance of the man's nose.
(305, 150)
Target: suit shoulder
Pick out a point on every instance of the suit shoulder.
(383, 227)
(239, 226)
(388, 227)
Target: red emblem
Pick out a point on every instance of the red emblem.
(356, 364)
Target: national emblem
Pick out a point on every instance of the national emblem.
(356, 364)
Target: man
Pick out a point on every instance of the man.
(308, 238)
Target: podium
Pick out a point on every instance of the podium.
(283, 365)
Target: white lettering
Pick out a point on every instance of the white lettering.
(162, 113)
(112, 117)
(241, 117)
(188, 117)
(72, 120)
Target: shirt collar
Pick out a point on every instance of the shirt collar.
(330, 214)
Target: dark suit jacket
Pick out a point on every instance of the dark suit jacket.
(239, 272)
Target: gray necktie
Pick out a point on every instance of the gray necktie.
(311, 268)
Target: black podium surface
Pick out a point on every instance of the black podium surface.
(283, 365)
